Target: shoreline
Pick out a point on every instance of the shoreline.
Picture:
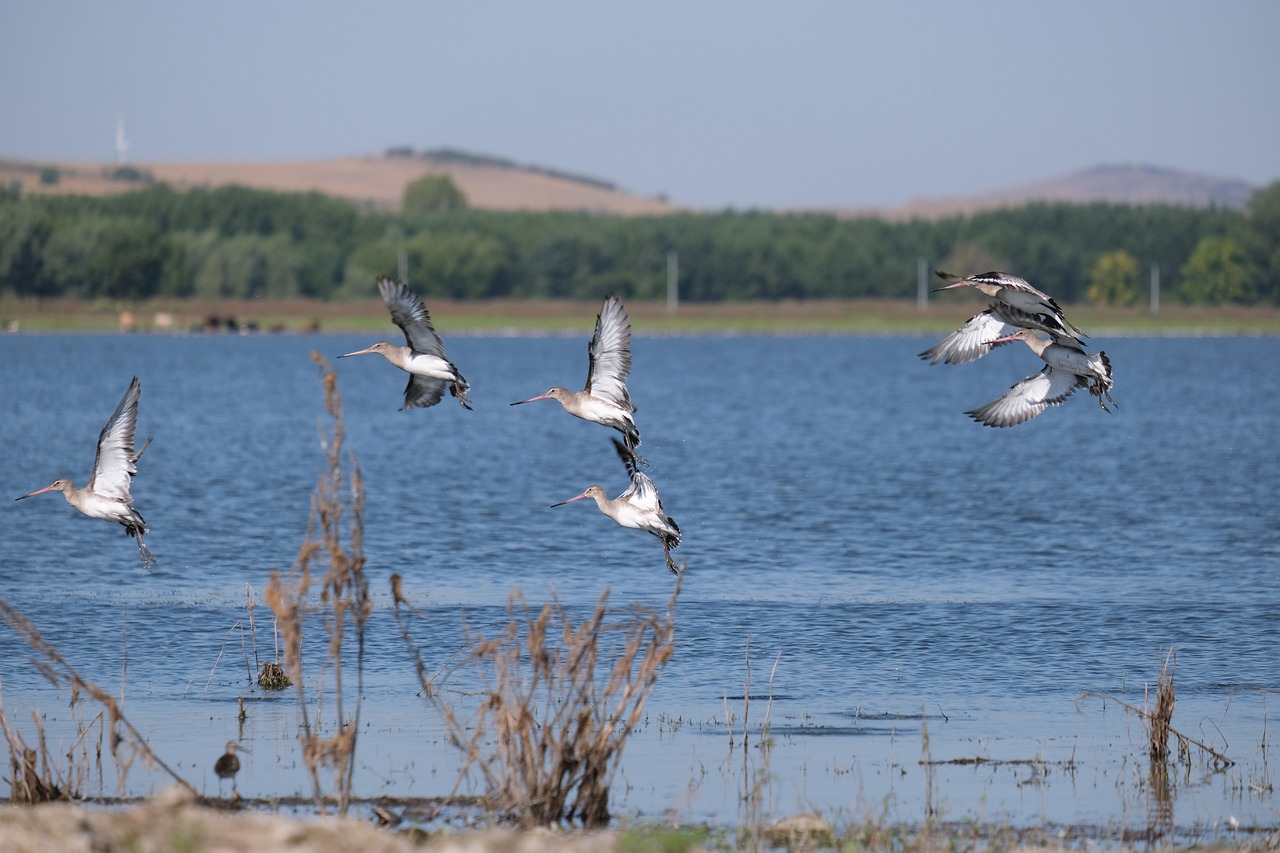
(177, 819)
(514, 317)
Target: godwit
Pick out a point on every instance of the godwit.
(977, 336)
(1067, 369)
(604, 400)
(227, 765)
(423, 358)
(1017, 293)
(639, 507)
(107, 495)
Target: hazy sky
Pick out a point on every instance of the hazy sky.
(716, 104)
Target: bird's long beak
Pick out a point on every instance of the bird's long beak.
(532, 400)
(37, 492)
(949, 286)
(571, 500)
(358, 352)
(1003, 340)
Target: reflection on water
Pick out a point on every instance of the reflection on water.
(908, 570)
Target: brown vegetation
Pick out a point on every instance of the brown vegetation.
(376, 182)
(561, 701)
(344, 598)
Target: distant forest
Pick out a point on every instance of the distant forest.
(238, 242)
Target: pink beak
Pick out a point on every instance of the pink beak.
(33, 494)
(533, 400)
(571, 500)
(358, 352)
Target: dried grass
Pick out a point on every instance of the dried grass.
(1158, 719)
(337, 507)
(560, 703)
(36, 777)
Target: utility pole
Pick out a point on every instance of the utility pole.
(1155, 289)
(673, 282)
(922, 284)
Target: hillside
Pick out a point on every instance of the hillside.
(496, 184)
(374, 181)
(1118, 184)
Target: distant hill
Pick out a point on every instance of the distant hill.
(1118, 184)
(496, 183)
(375, 181)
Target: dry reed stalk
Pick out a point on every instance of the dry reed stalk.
(336, 508)
(1158, 720)
(50, 663)
(562, 701)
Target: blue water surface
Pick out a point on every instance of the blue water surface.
(916, 584)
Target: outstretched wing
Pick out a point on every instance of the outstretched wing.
(972, 340)
(410, 313)
(643, 493)
(610, 353)
(1028, 398)
(115, 463)
(423, 391)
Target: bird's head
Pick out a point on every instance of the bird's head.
(592, 492)
(1027, 335)
(63, 486)
(553, 393)
(380, 348)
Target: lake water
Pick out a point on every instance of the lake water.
(928, 588)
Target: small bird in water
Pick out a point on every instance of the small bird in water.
(639, 507)
(1067, 369)
(423, 358)
(227, 765)
(1017, 293)
(604, 399)
(107, 494)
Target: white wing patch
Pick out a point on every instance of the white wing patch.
(1029, 398)
(610, 354)
(114, 465)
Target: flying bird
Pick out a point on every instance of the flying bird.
(1015, 292)
(639, 507)
(978, 335)
(430, 372)
(107, 494)
(604, 399)
(1067, 369)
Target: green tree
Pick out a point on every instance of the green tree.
(248, 265)
(1218, 271)
(462, 266)
(1263, 240)
(126, 260)
(1115, 280)
(432, 194)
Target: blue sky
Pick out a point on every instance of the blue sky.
(715, 104)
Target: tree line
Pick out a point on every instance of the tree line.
(240, 242)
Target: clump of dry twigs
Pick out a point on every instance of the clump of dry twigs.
(1157, 718)
(561, 700)
(337, 508)
(35, 775)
